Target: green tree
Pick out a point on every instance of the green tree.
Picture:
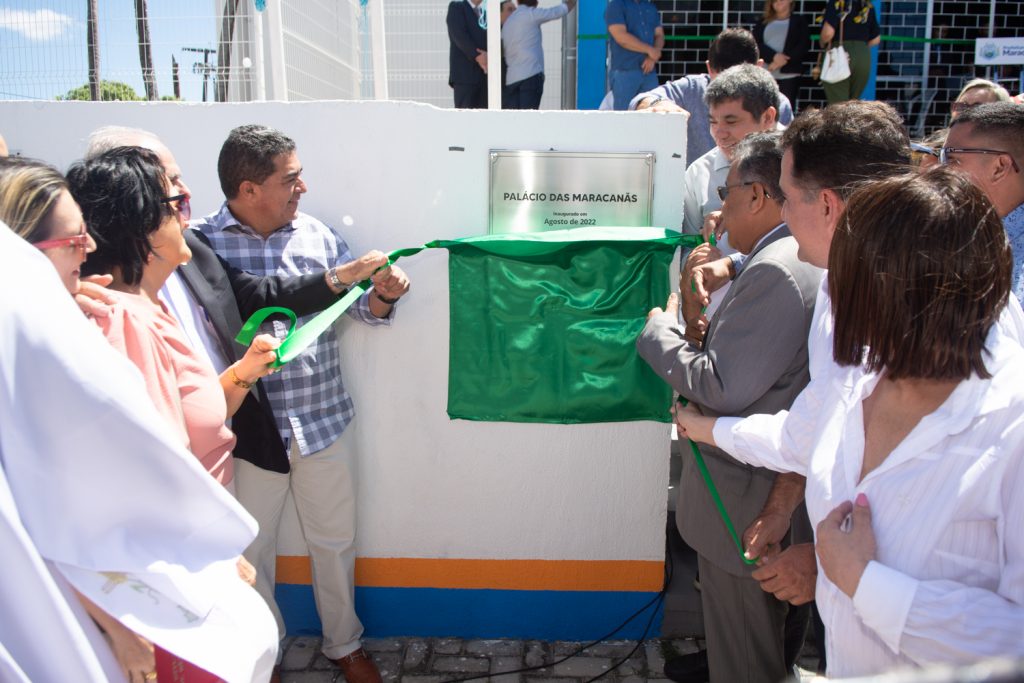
(109, 91)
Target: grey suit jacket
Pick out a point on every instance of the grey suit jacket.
(753, 360)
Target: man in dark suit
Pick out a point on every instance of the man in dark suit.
(753, 359)
(467, 56)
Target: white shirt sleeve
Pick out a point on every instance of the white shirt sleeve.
(780, 442)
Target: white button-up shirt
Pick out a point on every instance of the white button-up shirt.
(947, 512)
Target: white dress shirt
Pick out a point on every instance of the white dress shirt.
(193, 320)
(948, 581)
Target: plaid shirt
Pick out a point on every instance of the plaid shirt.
(307, 395)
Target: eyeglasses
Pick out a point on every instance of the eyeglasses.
(944, 153)
(183, 207)
(723, 190)
(80, 241)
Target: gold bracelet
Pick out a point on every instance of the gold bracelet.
(238, 381)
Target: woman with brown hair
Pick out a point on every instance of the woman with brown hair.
(914, 457)
(784, 39)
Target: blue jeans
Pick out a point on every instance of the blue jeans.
(628, 84)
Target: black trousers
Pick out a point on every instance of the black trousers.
(790, 87)
(471, 96)
(524, 94)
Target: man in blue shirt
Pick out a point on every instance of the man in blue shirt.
(730, 47)
(637, 40)
(987, 141)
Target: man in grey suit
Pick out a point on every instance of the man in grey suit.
(753, 359)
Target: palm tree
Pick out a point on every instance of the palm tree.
(92, 38)
(145, 49)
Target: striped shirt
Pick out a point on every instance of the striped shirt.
(308, 396)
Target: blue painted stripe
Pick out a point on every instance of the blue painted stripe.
(542, 615)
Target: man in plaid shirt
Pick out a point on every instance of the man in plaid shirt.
(260, 229)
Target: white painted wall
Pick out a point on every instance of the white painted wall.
(383, 174)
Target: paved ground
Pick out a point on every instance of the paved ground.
(439, 660)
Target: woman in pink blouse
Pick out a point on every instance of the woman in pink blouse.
(125, 198)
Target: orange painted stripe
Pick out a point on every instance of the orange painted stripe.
(534, 575)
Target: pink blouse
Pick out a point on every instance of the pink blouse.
(182, 384)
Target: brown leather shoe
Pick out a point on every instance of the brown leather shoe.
(358, 667)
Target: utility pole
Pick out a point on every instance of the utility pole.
(204, 67)
(145, 49)
(92, 34)
(174, 78)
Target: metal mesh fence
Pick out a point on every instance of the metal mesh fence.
(46, 50)
(227, 50)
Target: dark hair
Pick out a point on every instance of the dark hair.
(750, 84)
(919, 269)
(999, 121)
(845, 144)
(731, 47)
(120, 195)
(248, 154)
(758, 157)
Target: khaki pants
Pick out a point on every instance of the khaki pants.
(324, 489)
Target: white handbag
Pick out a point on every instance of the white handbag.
(836, 65)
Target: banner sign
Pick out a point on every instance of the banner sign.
(540, 191)
(999, 51)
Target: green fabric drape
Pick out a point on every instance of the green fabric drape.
(542, 325)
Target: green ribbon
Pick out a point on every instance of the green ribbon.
(713, 490)
(296, 341)
(513, 244)
(702, 466)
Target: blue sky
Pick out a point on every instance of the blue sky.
(43, 46)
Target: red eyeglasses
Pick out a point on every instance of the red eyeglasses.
(81, 240)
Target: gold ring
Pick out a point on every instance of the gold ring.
(151, 676)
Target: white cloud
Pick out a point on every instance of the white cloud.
(40, 25)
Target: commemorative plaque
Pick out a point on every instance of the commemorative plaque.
(540, 191)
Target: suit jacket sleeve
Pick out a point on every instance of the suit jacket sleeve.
(767, 54)
(747, 351)
(458, 32)
(304, 294)
(798, 43)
